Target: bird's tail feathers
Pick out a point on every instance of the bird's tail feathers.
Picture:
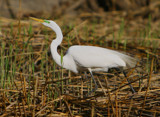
(130, 61)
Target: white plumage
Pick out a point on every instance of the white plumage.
(84, 57)
(91, 58)
(96, 58)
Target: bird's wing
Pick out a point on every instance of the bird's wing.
(95, 57)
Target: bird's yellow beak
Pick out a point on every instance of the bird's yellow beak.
(39, 20)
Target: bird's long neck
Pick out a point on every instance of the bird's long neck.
(55, 43)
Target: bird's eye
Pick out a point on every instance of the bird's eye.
(47, 21)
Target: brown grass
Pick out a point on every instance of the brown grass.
(32, 84)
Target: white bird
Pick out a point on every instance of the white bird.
(82, 58)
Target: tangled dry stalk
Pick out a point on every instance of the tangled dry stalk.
(33, 85)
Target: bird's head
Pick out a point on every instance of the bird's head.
(48, 23)
(51, 24)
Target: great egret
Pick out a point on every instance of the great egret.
(82, 58)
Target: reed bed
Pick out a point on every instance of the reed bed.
(31, 83)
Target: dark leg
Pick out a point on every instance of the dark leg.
(133, 91)
(96, 86)
(85, 75)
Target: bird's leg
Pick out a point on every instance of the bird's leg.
(133, 91)
(96, 86)
(85, 78)
(85, 75)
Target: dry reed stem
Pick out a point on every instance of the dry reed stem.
(111, 100)
(148, 85)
